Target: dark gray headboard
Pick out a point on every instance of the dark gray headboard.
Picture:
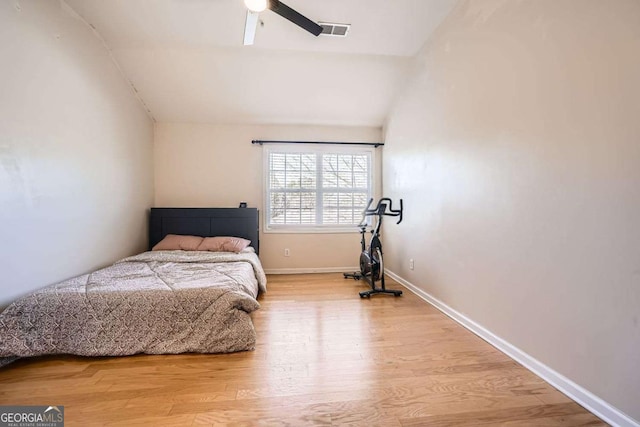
(205, 222)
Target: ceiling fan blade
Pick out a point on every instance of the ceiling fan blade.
(295, 17)
(250, 26)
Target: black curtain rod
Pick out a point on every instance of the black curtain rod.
(374, 144)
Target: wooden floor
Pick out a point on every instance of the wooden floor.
(324, 357)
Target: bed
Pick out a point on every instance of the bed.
(156, 302)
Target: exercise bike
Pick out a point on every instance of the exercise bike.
(371, 262)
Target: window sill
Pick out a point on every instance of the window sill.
(312, 230)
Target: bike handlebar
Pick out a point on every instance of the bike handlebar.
(381, 209)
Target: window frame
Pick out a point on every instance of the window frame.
(316, 149)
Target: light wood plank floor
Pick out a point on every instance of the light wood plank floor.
(324, 357)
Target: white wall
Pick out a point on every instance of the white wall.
(516, 147)
(76, 173)
(198, 165)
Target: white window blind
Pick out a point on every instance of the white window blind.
(316, 188)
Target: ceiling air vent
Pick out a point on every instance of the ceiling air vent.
(336, 30)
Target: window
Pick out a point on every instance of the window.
(316, 187)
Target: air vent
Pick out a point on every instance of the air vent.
(336, 30)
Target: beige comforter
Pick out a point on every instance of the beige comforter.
(155, 303)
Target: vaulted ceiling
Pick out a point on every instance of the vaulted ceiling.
(187, 62)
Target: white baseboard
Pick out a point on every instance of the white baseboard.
(584, 397)
(311, 270)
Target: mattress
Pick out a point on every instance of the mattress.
(161, 302)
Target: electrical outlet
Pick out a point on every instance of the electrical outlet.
(287, 252)
(411, 264)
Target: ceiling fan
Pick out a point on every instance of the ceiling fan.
(254, 7)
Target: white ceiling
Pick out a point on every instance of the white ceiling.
(187, 61)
